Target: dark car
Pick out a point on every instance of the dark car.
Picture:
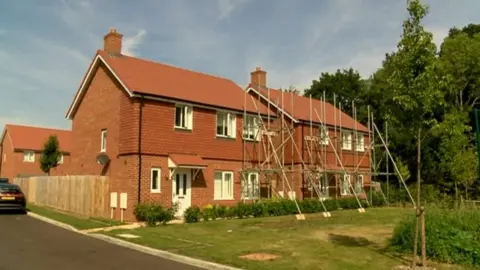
(12, 197)
(3, 180)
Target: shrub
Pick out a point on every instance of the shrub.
(155, 213)
(192, 214)
(453, 236)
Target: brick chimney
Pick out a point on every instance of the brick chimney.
(258, 77)
(112, 42)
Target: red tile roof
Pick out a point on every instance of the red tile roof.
(33, 138)
(152, 78)
(187, 160)
(301, 109)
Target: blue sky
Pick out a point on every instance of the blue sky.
(46, 45)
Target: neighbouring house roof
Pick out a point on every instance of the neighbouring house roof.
(301, 109)
(145, 77)
(33, 138)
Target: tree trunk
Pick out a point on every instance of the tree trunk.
(417, 210)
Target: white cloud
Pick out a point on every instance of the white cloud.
(130, 44)
(226, 7)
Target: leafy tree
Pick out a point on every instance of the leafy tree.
(414, 85)
(460, 66)
(291, 89)
(50, 154)
(347, 85)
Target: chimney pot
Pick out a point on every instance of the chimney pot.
(112, 42)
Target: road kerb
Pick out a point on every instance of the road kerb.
(164, 254)
(53, 222)
(148, 250)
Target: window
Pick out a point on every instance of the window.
(60, 159)
(223, 186)
(344, 189)
(359, 184)
(183, 116)
(251, 187)
(155, 175)
(324, 135)
(226, 124)
(250, 128)
(360, 143)
(347, 141)
(29, 156)
(103, 141)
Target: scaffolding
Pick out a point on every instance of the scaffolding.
(275, 166)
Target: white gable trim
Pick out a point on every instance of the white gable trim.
(271, 102)
(4, 133)
(83, 87)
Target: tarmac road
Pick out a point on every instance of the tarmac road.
(30, 244)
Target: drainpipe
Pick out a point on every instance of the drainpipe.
(1, 159)
(139, 196)
(303, 167)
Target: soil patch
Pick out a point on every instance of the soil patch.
(259, 257)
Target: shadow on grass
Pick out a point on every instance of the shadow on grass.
(351, 241)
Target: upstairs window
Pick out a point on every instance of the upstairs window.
(323, 135)
(360, 143)
(226, 124)
(60, 159)
(103, 141)
(347, 141)
(250, 128)
(28, 156)
(183, 117)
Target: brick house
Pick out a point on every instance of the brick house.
(340, 151)
(167, 134)
(21, 146)
(157, 130)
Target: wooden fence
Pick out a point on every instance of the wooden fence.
(84, 195)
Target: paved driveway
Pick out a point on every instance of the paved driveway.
(27, 243)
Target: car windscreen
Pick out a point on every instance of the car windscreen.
(9, 189)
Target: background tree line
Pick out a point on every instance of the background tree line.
(427, 95)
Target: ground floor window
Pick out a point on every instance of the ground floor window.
(345, 185)
(251, 186)
(358, 184)
(223, 185)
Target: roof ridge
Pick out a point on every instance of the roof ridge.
(176, 67)
(37, 127)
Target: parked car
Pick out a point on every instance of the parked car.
(3, 180)
(12, 197)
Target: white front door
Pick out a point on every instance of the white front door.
(182, 190)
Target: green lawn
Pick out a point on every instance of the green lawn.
(80, 223)
(347, 240)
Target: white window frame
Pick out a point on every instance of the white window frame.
(250, 128)
(28, 156)
(346, 140)
(159, 183)
(229, 122)
(103, 140)
(360, 142)
(226, 192)
(251, 189)
(323, 135)
(359, 188)
(345, 185)
(186, 120)
(60, 159)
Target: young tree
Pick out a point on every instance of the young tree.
(415, 89)
(50, 154)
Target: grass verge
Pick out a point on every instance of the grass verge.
(80, 223)
(347, 240)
